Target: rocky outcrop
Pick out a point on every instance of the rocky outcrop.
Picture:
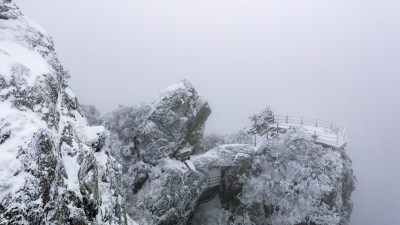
(153, 142)
(295, 181)
(49, 171)
(170, 195)
(9, 10)
(288, 180)
(177, 121)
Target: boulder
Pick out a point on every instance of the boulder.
(160, 185)
(177, 121)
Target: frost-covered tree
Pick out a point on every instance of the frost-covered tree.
(92, 114)
(127, 121)
(210, 141)
(214, 140)
(124, 123)
(239, 137)
(261, 120)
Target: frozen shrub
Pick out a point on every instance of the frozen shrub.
(92, 114)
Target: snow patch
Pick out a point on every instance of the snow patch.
(35, 26)
(12, 54)
(69, 92)
(72, 169)
(21, 127)
(190, 164)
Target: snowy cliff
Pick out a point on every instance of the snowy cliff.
(54, 168)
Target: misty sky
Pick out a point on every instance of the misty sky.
(332, 59)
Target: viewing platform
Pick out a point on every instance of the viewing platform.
(322, 131)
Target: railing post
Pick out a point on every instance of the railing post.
(273, 118)
(267, 132)
(302, 121)
(316, 123)
(331, 126)
(315, 136)
(277, 128)
(286, 119)
(337, 139)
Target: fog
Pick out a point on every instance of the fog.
(335, 59)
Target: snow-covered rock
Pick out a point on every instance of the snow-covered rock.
(224, 156)
(289, 180)
(295, 181)
(49, 171)
(177, 121)
(170, 194)
(152, 142)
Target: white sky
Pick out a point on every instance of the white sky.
(333, 59)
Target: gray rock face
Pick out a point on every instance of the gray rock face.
(170, 195)
(177, 121)
(8, 10)
(49, 171)
(295, 181)
(159, 187)
(233, 179)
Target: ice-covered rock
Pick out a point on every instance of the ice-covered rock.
(49, 171)
(295, 181)
(152, 142)
(177, 121)
(229, 155)
(170, 194)
(289, 180)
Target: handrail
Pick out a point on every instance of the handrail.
(311, 120)
(214, 181)
(332, 133)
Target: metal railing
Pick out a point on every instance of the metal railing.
(332, 126)
(322, 131)
(214, 181)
